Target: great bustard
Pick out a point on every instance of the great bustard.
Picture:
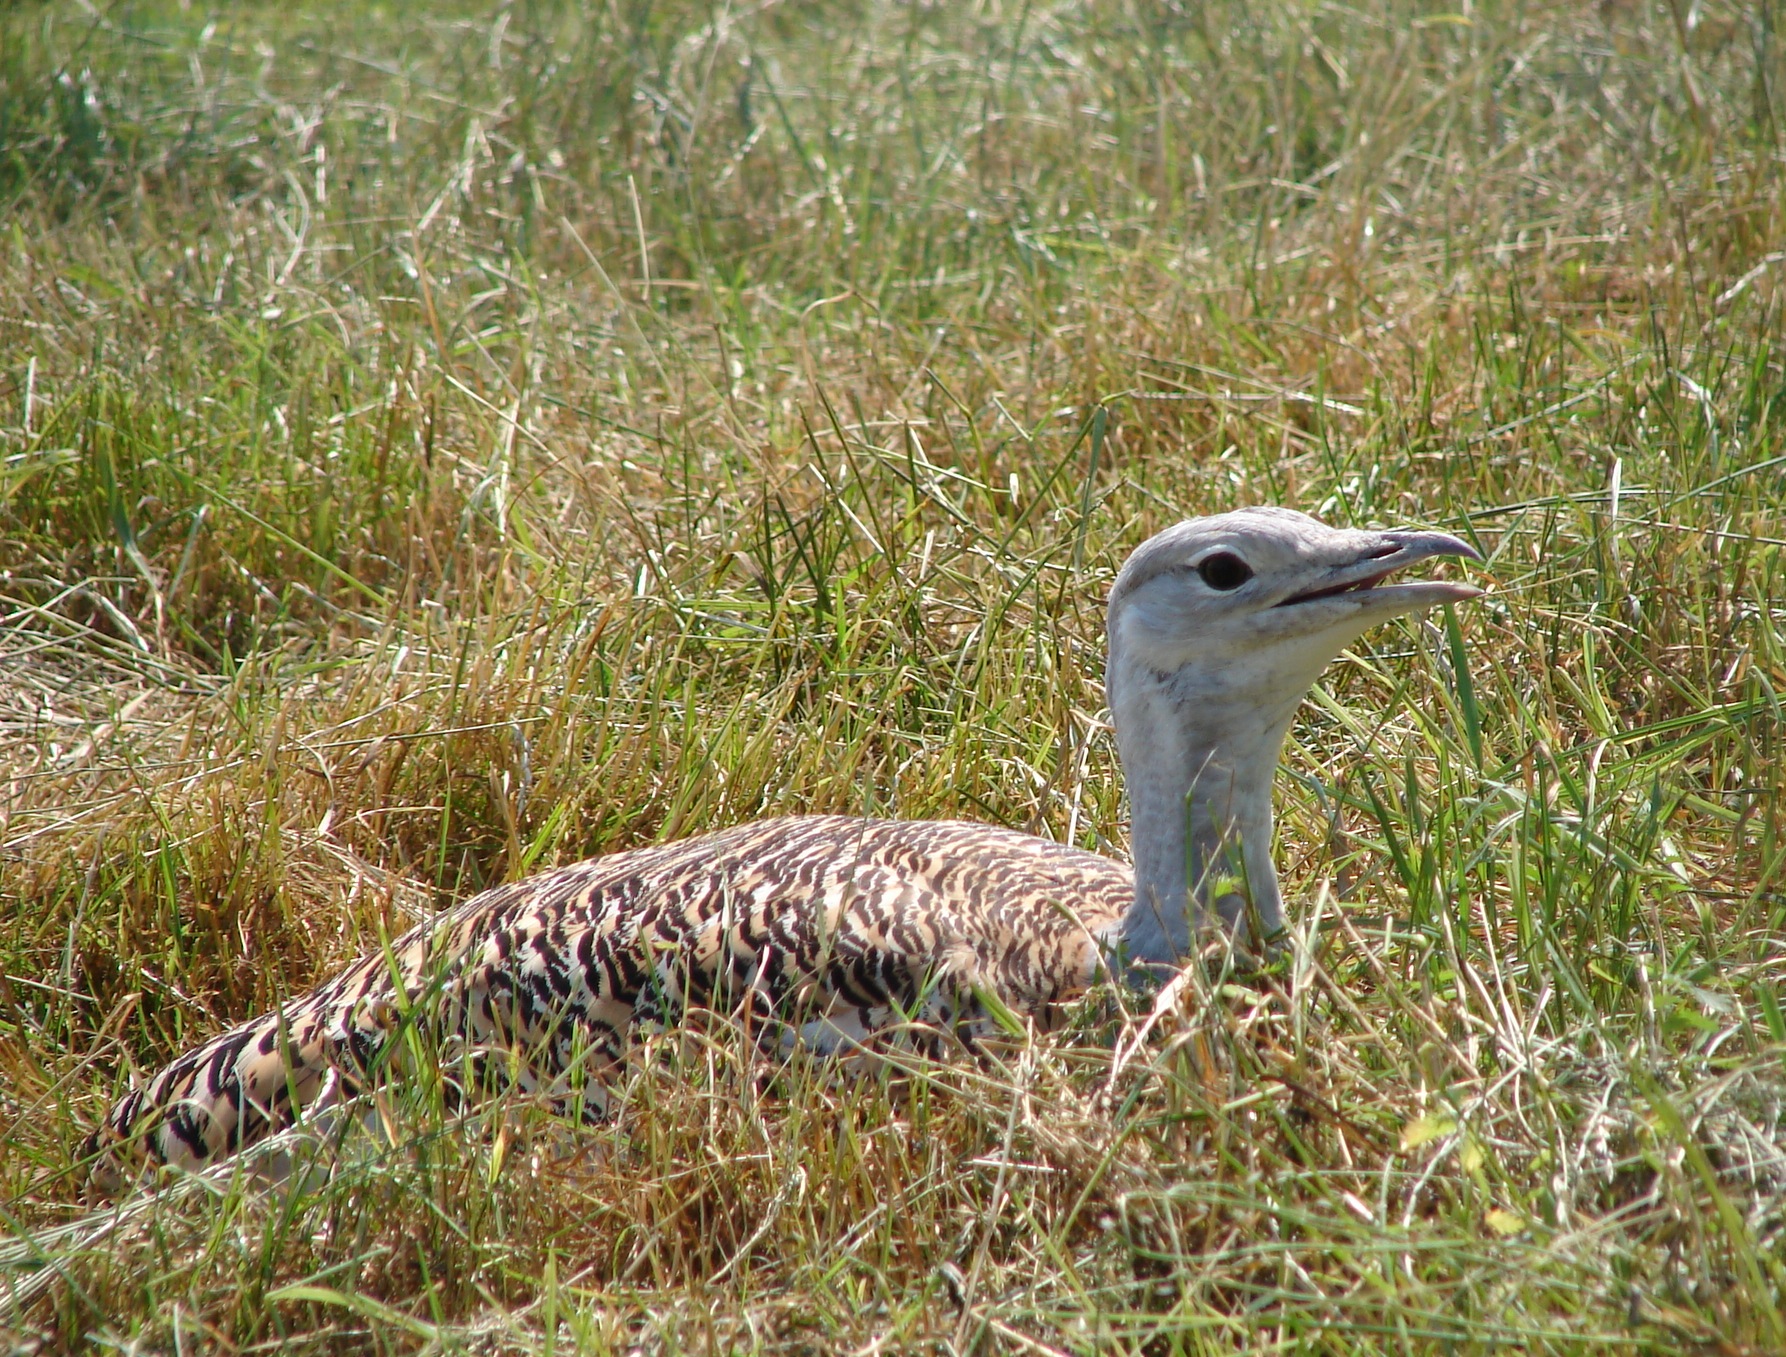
(1217, 629)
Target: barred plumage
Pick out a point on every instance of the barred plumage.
(838, 924)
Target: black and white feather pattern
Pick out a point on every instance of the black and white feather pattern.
(832, 926)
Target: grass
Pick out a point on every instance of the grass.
(441, 442)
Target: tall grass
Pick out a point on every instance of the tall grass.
(439, 442)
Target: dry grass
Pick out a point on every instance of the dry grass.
(440, 442)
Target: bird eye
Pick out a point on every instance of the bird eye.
(1224, 571)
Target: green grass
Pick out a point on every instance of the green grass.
(442, 441)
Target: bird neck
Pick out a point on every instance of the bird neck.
(1198, 766)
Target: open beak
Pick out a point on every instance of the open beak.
(1362, 581)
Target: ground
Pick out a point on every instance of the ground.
(441, 441)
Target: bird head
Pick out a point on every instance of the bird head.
(1249, 606)
(1218, 628)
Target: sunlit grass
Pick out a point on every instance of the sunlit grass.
(441, 442)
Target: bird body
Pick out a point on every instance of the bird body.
(830, 930)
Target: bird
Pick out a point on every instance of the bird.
(834, 930)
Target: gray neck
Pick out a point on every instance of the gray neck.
(1198, 767)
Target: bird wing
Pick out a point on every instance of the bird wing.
(833, 927)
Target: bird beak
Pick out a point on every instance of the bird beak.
(1358, 588)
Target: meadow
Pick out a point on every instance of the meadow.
(441, 441)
